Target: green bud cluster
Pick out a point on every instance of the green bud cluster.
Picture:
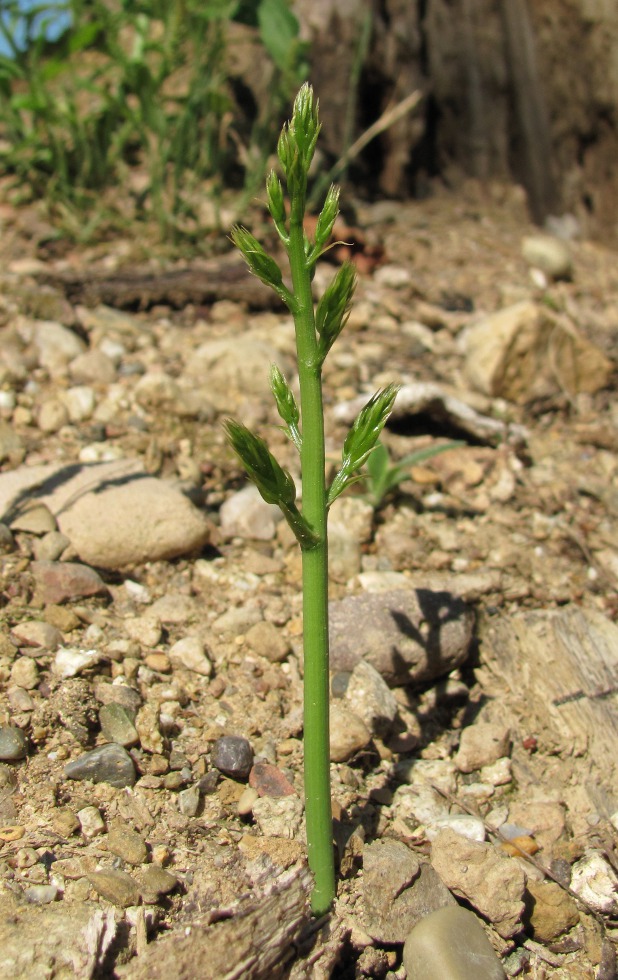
(362, 438)
(286, 405)
(333, 308)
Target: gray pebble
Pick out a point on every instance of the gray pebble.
(13, 744)
(189, 801)
(117, 725)
(451, 944)
(116, 887)
(233, 755)
(41, 894)
(108, 764)
(155, 882)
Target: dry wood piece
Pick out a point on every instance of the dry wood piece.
(564, 665)
(255, 941)
(205, 282)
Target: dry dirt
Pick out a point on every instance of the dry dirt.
(515, 528)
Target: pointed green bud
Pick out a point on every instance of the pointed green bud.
(286, 405)
(333, 308)
(274, 483)
(305, 123)
(276, 203)
(328, 216)
(362, 438)
(261, 264)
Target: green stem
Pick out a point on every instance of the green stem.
(318, 810)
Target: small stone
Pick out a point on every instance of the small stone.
(19, 699)
(596, 883)
(155, 882)
(281, 852)
(51, 546)
(52, 415)
(348, 734)
(143, 629)
(247, 515)
(451, 944)
(462, 823)
(69, 661)
(25, 673)
(237, 620)
(268, 780)
(389, 868)
(191, 653)
(41, 894)
(159, 662)
(120, 694)
(266, 641)
(246, 801)
(371, 699)
(126, 843)
(92, 367)
(37, 519)
(279, 817)
(117, 725)
(548, 254)
(13, 744)
(80, 402)
(37, 633)
(147, 724)
(233, 755)
(107, 764)
(62, 618)
(59, 582)
(551, 911)
(91, 822)
(482, 744)
(7, 541)
(189, 801)
(492, 883)
(116, 887)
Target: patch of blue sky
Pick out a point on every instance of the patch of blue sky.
(51, 18)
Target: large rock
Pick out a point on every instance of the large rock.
(409, 636)
(113, 513)
(525, 352)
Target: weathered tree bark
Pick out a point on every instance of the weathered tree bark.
(564, 667)
(257, 941)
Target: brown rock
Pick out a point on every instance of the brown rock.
(481, 744)
(268, 780)
(58, 582)
(550, 910)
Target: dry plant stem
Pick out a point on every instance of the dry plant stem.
(315, 579)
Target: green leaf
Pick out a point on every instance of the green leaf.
(279, 29)
(362, 437)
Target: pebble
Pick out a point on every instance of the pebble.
(191, 653)
(117, 725)
(51, 546)
(389, 869)
(143, 629)
(80, 402)
(91, 822)
(371, 699)
(116, 887)
(268, 780)
(7, 541)
(139, 520)
(36, 519)
(147, 723)
(596, 883)
(348, 734)
(13, 744)
(25, 673)
(41, 894)
(70, 661)
(233, 756)
(52, 415)
(59, 582)
(267, 641)
(237, 620)
(155, 882)
(247, 515)
(279, 817)
(462, 823)
(246, 801)
(19, 699)
(492, 883)
(450, 944)
(123, 841)
(36, 633)
(120, 694)
(107, 764)
(56, 346)
(553, 911)
(481, 745)
(551, 255)
(92, 367)
(189, 801)
(409, 636)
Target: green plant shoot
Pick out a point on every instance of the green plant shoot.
(316, 331)
(382, 475)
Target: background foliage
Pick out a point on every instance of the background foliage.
(144, 87)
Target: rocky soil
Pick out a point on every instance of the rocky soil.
(151, 816)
